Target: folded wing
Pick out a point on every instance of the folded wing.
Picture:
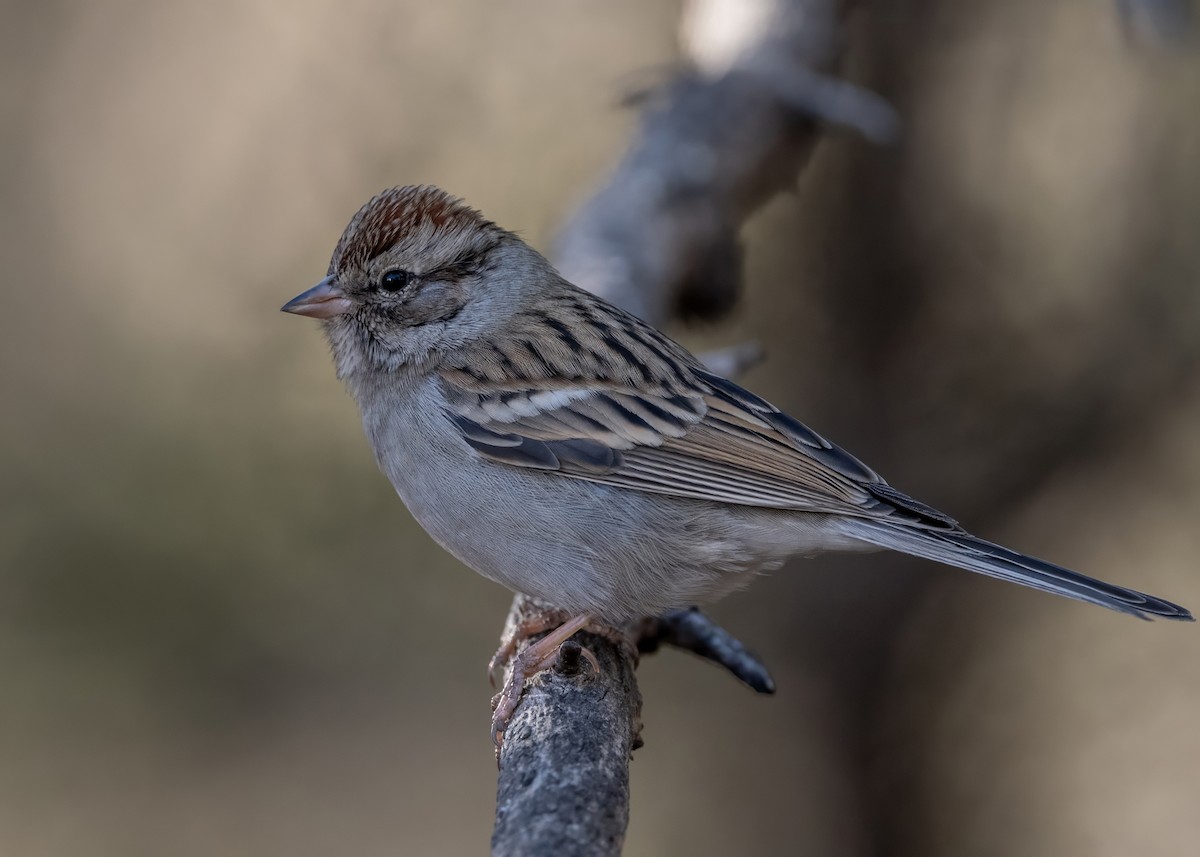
(647, 416)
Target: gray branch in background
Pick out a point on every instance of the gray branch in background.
(1157, 23)
(660, 238)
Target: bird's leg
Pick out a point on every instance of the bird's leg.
(531, 660)
(526, 628)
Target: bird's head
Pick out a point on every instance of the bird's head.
(416, 271)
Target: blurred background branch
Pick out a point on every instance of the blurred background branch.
(716, 142)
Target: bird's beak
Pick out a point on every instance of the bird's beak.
(324, 300)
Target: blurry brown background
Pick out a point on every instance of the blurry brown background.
(220, 633)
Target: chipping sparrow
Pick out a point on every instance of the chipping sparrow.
(561, 447)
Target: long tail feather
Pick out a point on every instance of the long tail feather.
(965, 551)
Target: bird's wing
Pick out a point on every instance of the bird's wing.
(611, 400)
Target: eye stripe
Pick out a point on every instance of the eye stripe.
(466, 263)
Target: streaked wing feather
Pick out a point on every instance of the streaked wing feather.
(646, 415)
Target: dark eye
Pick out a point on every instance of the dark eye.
(394, 281)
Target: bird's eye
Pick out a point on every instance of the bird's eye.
(394, 281)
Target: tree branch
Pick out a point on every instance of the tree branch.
(692, 631)
(564, 773)
(660, 239)
(564, 777)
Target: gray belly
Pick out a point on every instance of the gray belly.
(579, 545)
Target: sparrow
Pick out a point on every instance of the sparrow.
(565, 449)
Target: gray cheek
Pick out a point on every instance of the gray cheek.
(434, 302)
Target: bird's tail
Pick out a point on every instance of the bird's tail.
(965, 551)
